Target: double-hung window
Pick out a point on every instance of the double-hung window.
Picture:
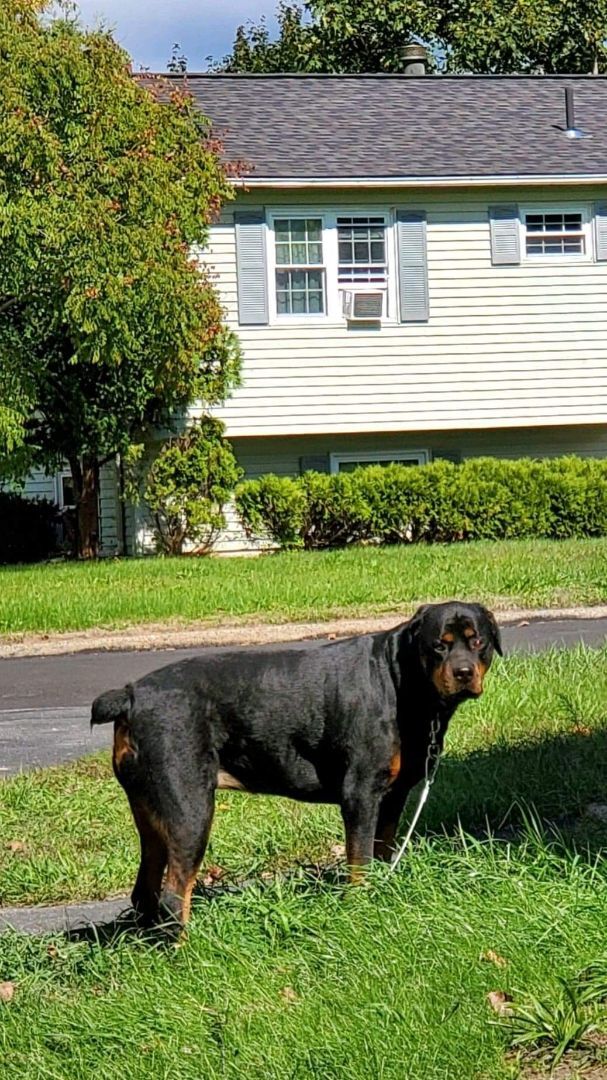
(300, 267)
(316, 259)
(361, 242)
(558, 232)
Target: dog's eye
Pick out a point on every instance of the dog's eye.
(440, 646)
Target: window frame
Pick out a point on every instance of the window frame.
(292, 267)
(420, 457)
(333, 289)
(60, 476)
(545, 259)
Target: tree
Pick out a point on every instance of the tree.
(478, 36)
(108, 326)
(188, 485)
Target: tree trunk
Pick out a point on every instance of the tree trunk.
(85, 475)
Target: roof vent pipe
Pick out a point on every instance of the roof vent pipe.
(414, 59)
(571, 131)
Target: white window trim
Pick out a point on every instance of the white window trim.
(558, 208)
(59, 477)
(421, 457)
(333, 292)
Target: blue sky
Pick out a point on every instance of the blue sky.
(148, 28)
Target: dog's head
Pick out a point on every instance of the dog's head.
(455, 644)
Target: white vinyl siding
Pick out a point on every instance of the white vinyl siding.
(505, 346)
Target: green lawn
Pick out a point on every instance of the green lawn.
(318, 585)
(294, 976)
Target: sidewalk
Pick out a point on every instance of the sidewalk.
(245, 632)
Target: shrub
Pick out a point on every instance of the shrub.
(187, 488)
(272, 507)
(483, 498)
(29, 529)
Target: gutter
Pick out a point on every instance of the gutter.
(418, 181)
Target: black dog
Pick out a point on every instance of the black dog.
(345, 722)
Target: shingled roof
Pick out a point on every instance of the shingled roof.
(308, 127)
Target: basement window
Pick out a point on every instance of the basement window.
(351, 460)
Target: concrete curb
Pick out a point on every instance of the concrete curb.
(62, 918)
(160, 636)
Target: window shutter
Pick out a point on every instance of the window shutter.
(600, 232)
(454, 456)
(412, 266)
(314, 463)
(505, 235)
(251, 267)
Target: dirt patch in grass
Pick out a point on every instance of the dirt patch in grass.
(245, 631)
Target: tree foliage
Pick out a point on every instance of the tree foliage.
(187, 487)
(107, 324)
(478, 36)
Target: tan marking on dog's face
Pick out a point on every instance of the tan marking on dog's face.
(227, 782)
(470, 632)
(446, 684)
(475, 685)
(448, 638)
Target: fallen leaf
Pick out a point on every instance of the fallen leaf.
(523, 622)
(289, 995)
(499, 1001)
(338, 851)
(16, 845)
(213, 874)
(494, 958)
(7, 991)
(53, 952)
(581, 729)
(331, 637)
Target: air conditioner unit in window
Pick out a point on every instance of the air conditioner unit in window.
(363, 306)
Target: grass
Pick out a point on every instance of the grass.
(296, 586)
(293, 976)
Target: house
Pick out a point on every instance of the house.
(416, 267)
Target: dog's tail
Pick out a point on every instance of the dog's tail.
(113, 705)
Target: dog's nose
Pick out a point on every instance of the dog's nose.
(463, 672)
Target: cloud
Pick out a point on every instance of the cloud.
(147, 29)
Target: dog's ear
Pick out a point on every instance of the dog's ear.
(416, 620)
(496, 639)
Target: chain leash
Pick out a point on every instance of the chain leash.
(433, 756)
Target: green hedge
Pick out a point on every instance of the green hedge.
(483, 498)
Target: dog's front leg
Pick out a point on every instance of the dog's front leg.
(359, 809)
(390, 813)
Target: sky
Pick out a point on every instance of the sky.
(147, 29)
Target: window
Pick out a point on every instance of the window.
(550, 233)
(362, 250)
(66, 497)
(300, 274)
(349, 461)
(317, 257)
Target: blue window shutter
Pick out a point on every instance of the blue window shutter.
(412, 266)
(251, 267)
(314, 463)
(600, 232)
(505, 235)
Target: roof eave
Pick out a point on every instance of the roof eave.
(418, 181)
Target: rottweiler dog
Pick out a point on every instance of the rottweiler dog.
(344, 722)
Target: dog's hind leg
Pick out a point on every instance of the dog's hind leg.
(186, 845)
(146, 893)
